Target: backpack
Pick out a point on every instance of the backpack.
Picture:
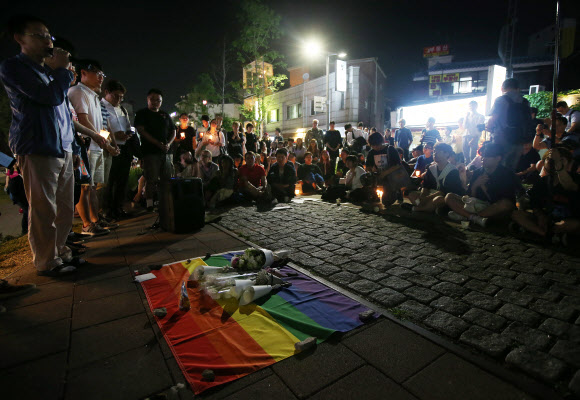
(518, 129)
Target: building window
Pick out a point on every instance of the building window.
(312, 112)
(274, 115)
(294, 111)
(463, 86)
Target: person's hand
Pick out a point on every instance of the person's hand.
(59, 59)
(76, 161)
(101, 141)
(114, 151)
(482, 180)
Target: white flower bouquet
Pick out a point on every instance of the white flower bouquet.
(253, 260)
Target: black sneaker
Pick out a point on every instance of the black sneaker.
(61, 270)
(7, 290)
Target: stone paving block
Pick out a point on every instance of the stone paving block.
(555, 327)
(451, 266)
(531, 338)
(364, 383)
(560, 277)
(567, 351)
(541, 293)
(110, 338)
(343, 278)
(513, 297)
(502, 270)
(270, 387)
(571, 301)
(415, 310)
(329, 246)
(449, 305)
(536, 363)
(31, 344)
(453, 277)
(482, 301)
(526, 269)
(566, 289)
(423, 280)
(231, 388)
(106, 309)
(446, 323)
(517, 313)
(405, 263)
(37, 314)
(450, 289)
(338, 260)
(394, 282)
(52, 291)
(428, 269)
(485, 319)
(309, 372)
(104, 288)
(326, 270)
(553, 310)
(421, 294)
(355, 267)
(388, 297)
(485, 340)
(373, 275)
(364, 286)
(478, 273)
(452, 378)
(28, 380)
(322, 254)
(381, 264)
(507, 283)
(574, 385)
(133, 374)
(401, 354)
(532, 279)
(482, 287)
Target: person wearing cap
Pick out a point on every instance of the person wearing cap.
(491, 192)
(41, 137)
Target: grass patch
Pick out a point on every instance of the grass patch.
(14, 254)
(11, 244)
(398, 313)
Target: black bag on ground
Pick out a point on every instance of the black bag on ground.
(181, 205)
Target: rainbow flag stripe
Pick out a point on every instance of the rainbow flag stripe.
(234, 340)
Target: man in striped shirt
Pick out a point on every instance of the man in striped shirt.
(430, 134)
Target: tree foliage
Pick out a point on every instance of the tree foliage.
(192, 102)
(543, 102)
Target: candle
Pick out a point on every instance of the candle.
(183, 135)
(200, 134)
(104, 133)
(380, 194)
(297, 192)
(417, 173)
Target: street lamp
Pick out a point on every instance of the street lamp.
(315, 47)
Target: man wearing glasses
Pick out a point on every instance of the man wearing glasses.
(42, 138)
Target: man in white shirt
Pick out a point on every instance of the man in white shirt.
(472, 134)
(85, 100)
(120, 129)
(573, 117)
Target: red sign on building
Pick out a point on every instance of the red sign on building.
(434, 51)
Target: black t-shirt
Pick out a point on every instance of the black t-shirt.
(185, 142)
(251, 140)
(157, 124)
(450, 184)
(531, 157)
(568, 202)
(268, 143)
(333, 138)
(502, 184)
(235, 145)
(377, 159)
(287, 178)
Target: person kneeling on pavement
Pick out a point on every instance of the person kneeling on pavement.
(442, 177)
(491, 192)
(564, 216)
(282, 177)
(310, 175)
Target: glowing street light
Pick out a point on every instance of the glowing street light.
(314, 47)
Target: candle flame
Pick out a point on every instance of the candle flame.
(379, 193)
(183, 135)
(104, 133)
(297, 192)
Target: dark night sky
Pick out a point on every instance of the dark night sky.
(169, 44)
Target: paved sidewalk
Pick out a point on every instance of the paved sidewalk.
(93, 337)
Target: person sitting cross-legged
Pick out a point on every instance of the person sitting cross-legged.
(252, 179)
(357, 191)
(282, 177)
(310, 175)
(564, 216)
(442, 177)
(491, 192)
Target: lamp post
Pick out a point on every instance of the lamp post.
(315, 47)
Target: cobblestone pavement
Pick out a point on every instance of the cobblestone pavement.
(515, 301)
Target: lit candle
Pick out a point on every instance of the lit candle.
(380, 194)
(297, 192)
(417, 173)
(104, 134)
(183, 135)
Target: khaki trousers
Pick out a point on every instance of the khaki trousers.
(49, 186)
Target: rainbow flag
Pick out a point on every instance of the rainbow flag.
(234, 340)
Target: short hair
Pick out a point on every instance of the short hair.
(429, 145)
(64, 44)
(510, 83)
(352, 158)
(376, 139)
(431, 119)
(307, 154)
(473, 102)
(154, 91)
(250, 153)
(282, 151)
(206, 152)
(345, 150)
(347, 127)
(563, 120)
(360, 124)
(18, 23)
(278, 130)
(561, 104)
(113, 85)
(331, 123)
(315, 120)
(183, 115)
(249, 125)
(491, 150)
(418, 148)
(205, 118)
(534, 110)
(292, 155)
(443, 147)
(403, 121)
(88, 65)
